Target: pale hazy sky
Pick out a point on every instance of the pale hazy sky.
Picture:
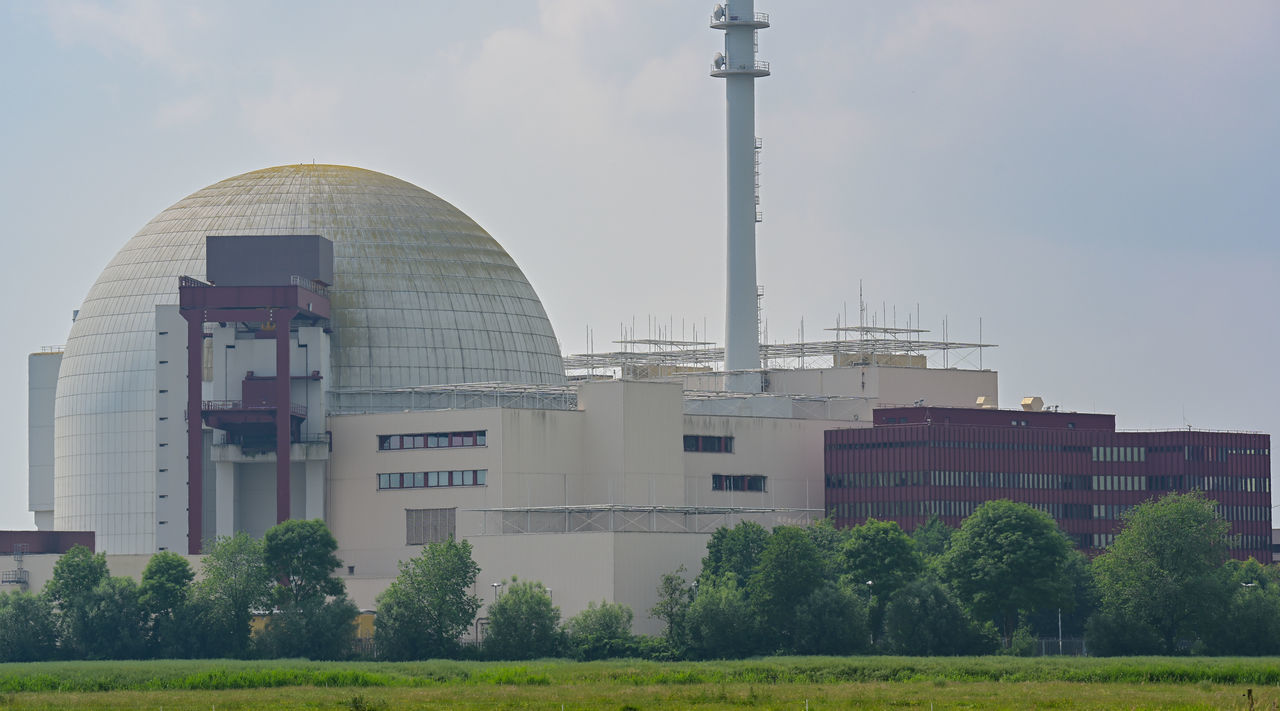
(1098, 181)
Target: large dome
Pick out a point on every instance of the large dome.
(422, 295)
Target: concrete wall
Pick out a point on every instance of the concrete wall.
(40, 567)
(171, 430)
(937, 387)
(632, 442)
(623, 446)
(370, 524)
(42, 384)
(891, 385)
(788, 452)
(578, 568)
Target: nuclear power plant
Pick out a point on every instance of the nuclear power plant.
(322, 341)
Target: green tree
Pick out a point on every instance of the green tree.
(879, 556)
(301, 556)
(115, 623)
(675, 595)
(924, 619)
(313, 627)
(788, 572)
(734, 550)
(832, 620)
(1113, 635)
(829, 541)
(1250, 626)
(1165, 569)
(429, 605)
(70, 591)
(933, 537)
(1251, 623)
(235, 583)
(1008, 558)
(601, 632)
(720, 622)
(28, 632)
(1251, 573)
(165, 596)
(1076, 608)
(312, 617)
(523, 623)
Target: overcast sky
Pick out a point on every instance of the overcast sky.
(1098, 182)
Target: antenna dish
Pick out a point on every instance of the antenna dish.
(718, 61)
(718, 12)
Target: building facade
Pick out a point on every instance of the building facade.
(919, 461)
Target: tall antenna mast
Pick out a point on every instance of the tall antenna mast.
(739, 68)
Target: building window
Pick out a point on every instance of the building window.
(738, 482)
(432, 440)
(206, 359)
(708, 443)
(423, 526)
(428, 480)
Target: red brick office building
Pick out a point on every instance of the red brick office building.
(918, 461)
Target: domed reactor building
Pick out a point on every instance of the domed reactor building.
(415, 294)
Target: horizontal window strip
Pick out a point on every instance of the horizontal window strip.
(429, 480)
(432, 440)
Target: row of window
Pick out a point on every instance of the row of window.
(1019, 480)
(738, 482)
(1110, 512)
(1234, 483)
(1119, 454)
(1191, 453)
(432, 440)
(990, 480)
(1105, 512)
(890, 509)
(1244, 513)
(1103, 540)
(948, 444)
(708, 443)
(1250, 542)
(1120, 483)
(423, 480)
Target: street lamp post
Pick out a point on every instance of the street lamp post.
(495, 587)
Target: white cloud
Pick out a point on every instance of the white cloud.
(184, 112)
(295, 112)
(154, 30)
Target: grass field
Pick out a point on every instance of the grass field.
(780, 683)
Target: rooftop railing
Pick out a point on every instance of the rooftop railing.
(232, 405)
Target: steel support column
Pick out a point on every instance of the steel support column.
(195, 430)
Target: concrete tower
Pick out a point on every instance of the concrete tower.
(739, 68)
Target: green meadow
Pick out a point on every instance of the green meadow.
(779, 683)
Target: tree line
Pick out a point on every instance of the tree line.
(1004, 578)
(83, 612)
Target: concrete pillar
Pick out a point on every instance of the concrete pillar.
(315, 489)
(225, 499)
(283, 399)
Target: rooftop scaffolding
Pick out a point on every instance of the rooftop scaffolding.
(872, 344)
